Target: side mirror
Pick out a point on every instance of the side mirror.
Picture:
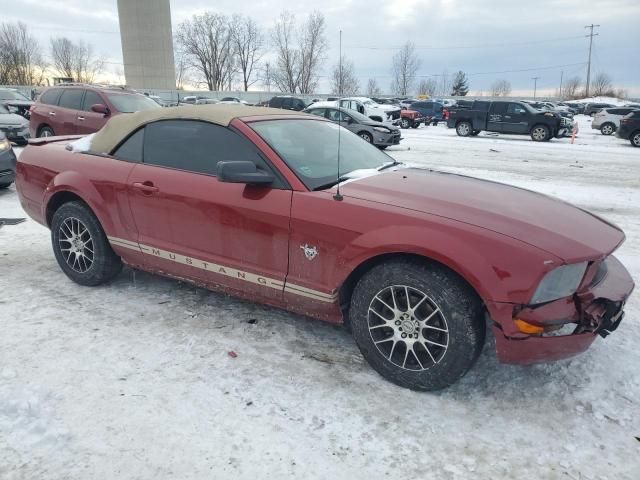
(349, 120)
(100, 108)
(243, 172)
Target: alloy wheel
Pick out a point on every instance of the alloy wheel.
(408, 328)
(636, 139)
(607, 129)
(463, 129)
(76, 245)
(365, 137)
(539, 133)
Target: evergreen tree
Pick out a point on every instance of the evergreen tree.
(460, 86)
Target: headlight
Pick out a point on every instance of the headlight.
(5, 145)
(382, 129)
(559, 283)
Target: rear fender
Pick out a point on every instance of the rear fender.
(78, 184)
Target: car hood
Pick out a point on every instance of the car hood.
(17, 103)
(12, 119)
(374, 123)
(557, 227)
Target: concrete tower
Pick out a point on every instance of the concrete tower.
(147, 43)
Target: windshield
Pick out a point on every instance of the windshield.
(132, 103)
(310, 149)
(12, 95)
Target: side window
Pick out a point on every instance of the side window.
(276, 102)
(71, 98)
(317, 111)
(91, 98)
(131, 149)
(515, 109)
(195, 146)
(300, 104)
(499, 108)
(286, 102)
(50, 97)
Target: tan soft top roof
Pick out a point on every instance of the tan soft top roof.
(120, 126)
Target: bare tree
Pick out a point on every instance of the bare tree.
(299, 52)
(21, 61)
(427, 86)
(444, 85)
(373, 90)
(571, 88)
(500, 88)
(248, 40)
(266, 76)
(75, 60)
(343, 78)
(602, 85)
(286, 71)
(404, 68)
(207, 43)
(313, 46)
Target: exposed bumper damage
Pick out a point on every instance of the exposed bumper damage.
(569, 325)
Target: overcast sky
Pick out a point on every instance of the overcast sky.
(540, 38)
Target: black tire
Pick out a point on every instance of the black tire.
(458, 312)
(5, 185)
(464, 128)
(634, 138)
(104, 264)
(540, 133)
(46, 131)
(366, 136)
(475, 133)
(415, 125)
(383, 147)
(405, 123)
(607, 128)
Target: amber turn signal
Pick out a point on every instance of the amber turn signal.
(525, 327)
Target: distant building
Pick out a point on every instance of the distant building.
(147, 43)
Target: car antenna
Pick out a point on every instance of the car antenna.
(338, 196)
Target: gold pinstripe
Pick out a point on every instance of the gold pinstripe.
(225, 270)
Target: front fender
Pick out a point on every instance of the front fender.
(498, 268)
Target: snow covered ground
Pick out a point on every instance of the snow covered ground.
(134, 380)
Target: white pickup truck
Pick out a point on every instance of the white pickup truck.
(366, 106)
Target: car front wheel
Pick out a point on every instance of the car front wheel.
(540, 133)
(366, 136)
(46, 132)
(635, 139)
(81, 246)
(419, 326)
(404, 123)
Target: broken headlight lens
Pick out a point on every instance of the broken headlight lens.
(559, 283)
(5, 145)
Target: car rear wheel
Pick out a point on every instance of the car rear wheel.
(46, 132)
(405, 123)
(5, 185)
(635, 139)
(81, 246)
(464, 129)
(366, 136)
(607, 129)
(540, 133)
(415, 125)
(419, 326)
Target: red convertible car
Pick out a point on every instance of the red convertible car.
(245, 200)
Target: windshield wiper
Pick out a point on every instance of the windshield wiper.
(388, 165)
(331, 184)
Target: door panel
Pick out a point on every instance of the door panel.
(231, 236)
(515, 119)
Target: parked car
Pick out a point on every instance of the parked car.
(375, 111)
(14, 126)
(630, 128)
(577, 107)
(509, 117)
(417, 262)
(197, 100)
(592, 108)
(82, 109)
(7, 162)
(288, 103)
(607, 120)
(233, 100)
(412, 119)
(15, 101)
(430, 108)
(371, 131)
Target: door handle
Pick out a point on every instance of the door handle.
(147, 188)
(52, 114)
(80, 118)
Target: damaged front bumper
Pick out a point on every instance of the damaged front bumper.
(595, 310)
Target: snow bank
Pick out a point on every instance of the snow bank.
(81, 145)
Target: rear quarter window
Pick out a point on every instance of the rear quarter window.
(71, 98)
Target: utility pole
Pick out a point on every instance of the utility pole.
(591, 35)
(535, 86)
(560, 91)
